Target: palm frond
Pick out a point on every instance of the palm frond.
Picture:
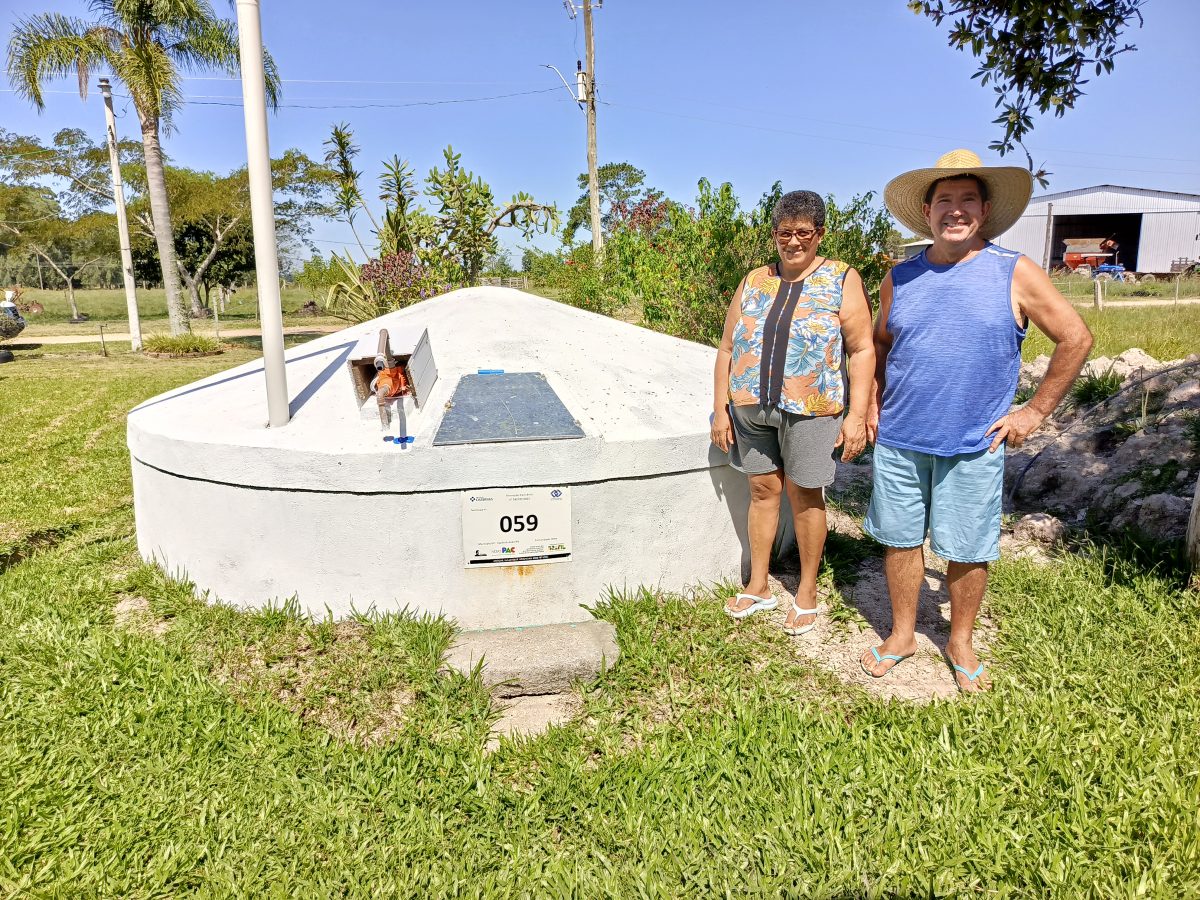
(48, 46)
(147, 70)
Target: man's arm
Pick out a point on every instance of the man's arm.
(883, 343)
(1036, 298)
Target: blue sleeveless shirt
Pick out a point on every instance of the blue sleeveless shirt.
(956, 353)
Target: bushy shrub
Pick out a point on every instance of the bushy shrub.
(10, 327)
(381, 286)
(180, 343)
(1091, 389)
(317, 275)
(681, 265)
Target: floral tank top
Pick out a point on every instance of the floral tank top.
(787, 343)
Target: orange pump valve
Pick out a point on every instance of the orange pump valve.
(391, 382)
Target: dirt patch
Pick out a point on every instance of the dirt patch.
(28, 544)
(134, 614)
(323, 683)
(864, 617)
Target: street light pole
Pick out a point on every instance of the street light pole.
(262, 209)
(589, 38)
(135, 325)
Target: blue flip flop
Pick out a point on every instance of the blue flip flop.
(971, 676)
(879, 659)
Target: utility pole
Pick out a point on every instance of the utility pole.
(589, 39)
(135, 325)
(262, 209)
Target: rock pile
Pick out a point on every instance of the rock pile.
(1127, 462)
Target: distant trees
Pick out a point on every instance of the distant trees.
(621, 189)
(419, 251)
(211, 234)
(33, 224)
(144, 46)
(676, 266)
(213, 240)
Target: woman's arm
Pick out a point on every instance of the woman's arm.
(722, 428)
(856, 337)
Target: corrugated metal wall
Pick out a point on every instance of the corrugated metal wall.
(1028, 236)
(1166, 237)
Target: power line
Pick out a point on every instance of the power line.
(828, 137)
(404, 105)
(350, 81)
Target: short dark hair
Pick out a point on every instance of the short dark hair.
(799, 206)
(983, 188)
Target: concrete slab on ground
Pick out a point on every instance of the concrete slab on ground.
(545, 659)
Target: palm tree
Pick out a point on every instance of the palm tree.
(144, 44)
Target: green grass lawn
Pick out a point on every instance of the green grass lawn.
(109, 306)
(1165, 332)
(1080, 289)
(259, 754)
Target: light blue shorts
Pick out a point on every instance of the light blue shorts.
(956, 499)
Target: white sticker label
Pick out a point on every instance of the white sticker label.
(516, 526)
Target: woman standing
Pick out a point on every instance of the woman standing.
(779, 395)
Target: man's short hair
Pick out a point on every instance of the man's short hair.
(796, 206)
(982, 185)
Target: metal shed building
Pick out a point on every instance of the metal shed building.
(1153, 228)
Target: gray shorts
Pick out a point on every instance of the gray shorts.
(767, 438)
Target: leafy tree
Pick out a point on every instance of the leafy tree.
(32, 222)
(71, 158)
(1035, 54)
(620, 190)
(419, 250)
(212, 214)
(859, 234)
(317, 275)
(498, 265)
(144, 45)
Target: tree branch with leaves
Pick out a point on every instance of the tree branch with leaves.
(1037, 54)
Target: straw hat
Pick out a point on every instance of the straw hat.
(1009, 189)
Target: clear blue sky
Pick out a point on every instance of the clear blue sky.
(834, 97)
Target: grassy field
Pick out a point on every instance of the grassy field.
(108, 306)
(1165, 332)
(1080, 289)
(153, 745)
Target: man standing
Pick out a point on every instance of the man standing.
(948, 354)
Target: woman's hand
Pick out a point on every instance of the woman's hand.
(722, 429)
(853, 438)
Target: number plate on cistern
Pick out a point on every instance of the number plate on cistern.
(516, 526)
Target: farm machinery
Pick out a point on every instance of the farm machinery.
(1099, 259)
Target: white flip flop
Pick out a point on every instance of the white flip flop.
(760, 604)
(803, 629)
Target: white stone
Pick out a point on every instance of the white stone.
(323, 509)
(1040, 527)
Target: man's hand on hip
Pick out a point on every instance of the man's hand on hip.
(1013, 428)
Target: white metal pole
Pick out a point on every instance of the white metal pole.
(135, 325)
(266, 255)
